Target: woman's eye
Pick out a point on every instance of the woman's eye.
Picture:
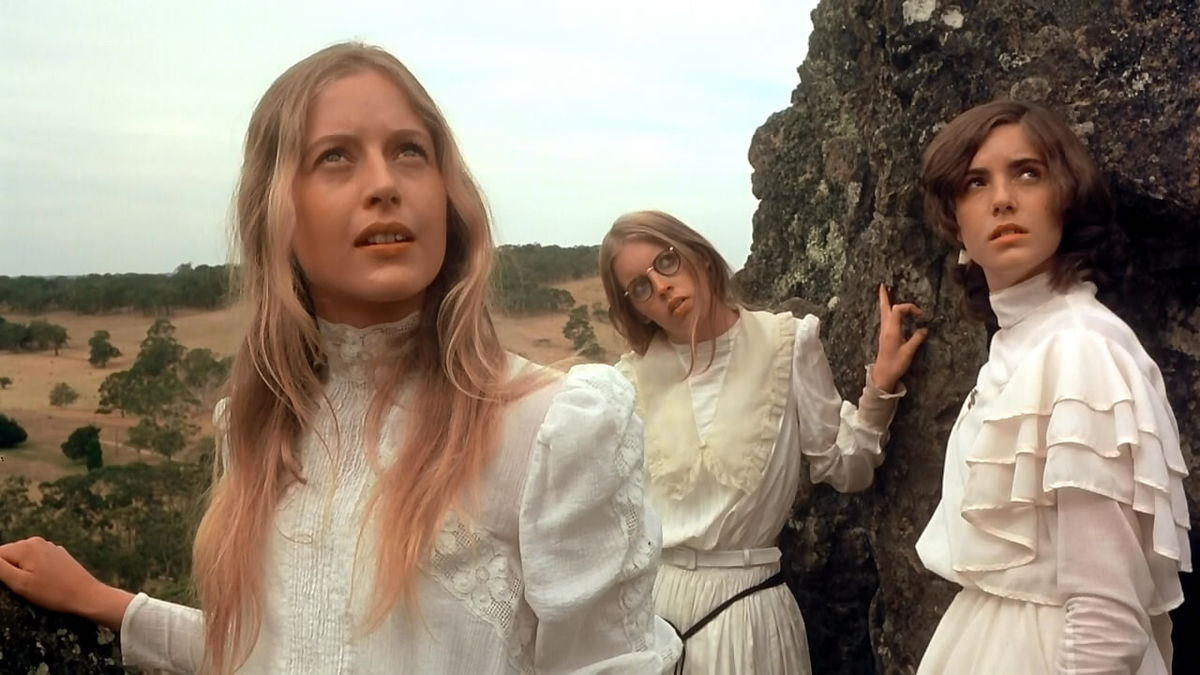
(331, 156)
(413, 150)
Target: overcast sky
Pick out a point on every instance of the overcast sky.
(121, 122)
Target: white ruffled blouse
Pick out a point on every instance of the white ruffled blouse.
(1063, 482)
(551, 573)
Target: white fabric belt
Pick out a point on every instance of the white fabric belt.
(690, 559)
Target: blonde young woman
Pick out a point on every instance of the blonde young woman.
(1063, 515)
(395, 496)
(732, 401)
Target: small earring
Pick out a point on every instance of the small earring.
(963, 258)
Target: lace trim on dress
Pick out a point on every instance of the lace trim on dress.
(349, 351)
(480, 572)
(628, 504)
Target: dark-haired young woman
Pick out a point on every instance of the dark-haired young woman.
(1063, 514)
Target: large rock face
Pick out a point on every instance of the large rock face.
(35, 642)
(836, 174)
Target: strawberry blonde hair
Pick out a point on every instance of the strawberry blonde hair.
(455, 362)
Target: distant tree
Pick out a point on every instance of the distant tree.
(126, 523)
(11, 433)
(201, 287)
(13, 336)
(5, 382)
(520, 295)
(101, 350)
(166, 437)
(547, 264)
(58, 337)
(152, 386)
(95, 457)
(159, 351)
(62, 395)
(204, 374)
(79, 444)
(117, 392)
(600, 311)
(579, 331)
(46, 335)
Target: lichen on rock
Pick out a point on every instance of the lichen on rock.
(836, 176)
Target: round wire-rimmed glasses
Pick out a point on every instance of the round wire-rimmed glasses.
(666, 263)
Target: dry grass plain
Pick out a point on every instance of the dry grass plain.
(537, 337)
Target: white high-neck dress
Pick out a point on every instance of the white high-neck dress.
(1063, 515)
(551, 572)
(735, 498)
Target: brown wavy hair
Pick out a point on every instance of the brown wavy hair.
(1089, 234)
(455, 362)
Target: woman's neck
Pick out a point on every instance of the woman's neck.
(353, 353)
(712, 325)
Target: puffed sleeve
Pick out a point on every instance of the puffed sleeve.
(1083, 413)
(843, 443)
(589, 542)
(162, 636)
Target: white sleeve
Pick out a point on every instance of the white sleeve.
(1103, 574)
(159, 635)
(842, 442)
(589, 542)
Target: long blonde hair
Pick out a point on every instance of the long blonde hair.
(697, 253)
(455, 362)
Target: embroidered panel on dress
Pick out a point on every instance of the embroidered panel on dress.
(484, 575)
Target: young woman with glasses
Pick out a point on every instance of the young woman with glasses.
(731, 399)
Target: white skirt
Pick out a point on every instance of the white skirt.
(762, 634)
(985, 634)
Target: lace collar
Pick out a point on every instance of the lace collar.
(349, 351)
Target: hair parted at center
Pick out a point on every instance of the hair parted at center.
(459, 371)
(1089, 233)
(696, 253)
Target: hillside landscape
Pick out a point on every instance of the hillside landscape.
(537, 336)
(111, 400)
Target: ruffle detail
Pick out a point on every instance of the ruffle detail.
(1080, 413)
(736, 449)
